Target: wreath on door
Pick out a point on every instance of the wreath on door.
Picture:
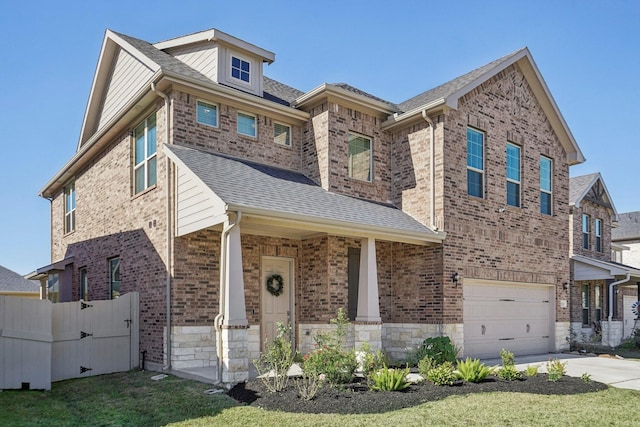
(275, 285)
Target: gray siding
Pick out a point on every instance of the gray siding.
(203, 58)
(197, 206)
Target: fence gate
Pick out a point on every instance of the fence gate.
(95, 337)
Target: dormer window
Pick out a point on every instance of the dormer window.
(240, 69)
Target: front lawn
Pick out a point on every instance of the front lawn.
(133, 399)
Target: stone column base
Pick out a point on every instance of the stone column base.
(612, 333)
(235, 354)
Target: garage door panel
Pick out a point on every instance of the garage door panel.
(516, 318)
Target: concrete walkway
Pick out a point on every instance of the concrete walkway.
(616, 372)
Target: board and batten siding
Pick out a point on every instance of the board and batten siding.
(127, 77)
(203, 58)
(197, 206)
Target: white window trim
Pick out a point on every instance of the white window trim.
(519, 181)
(290, 134)
(147, 157)
(370, 157)
(484, 158)
(549, 192)
(68, 190)
(241, 58)
(255, 121)
(598, 233)
(212, 104)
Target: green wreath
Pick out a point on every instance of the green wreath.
(275, 285)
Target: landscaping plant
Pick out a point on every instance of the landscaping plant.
(309, 384)
(531, 371)
(330, 357)
(508, 371)
(389, 379)
(472, 370)
(370, 361)
(442, 374)
(440, 349)
(275, 361)
(556, 369)
(586, 377)
(425, 365)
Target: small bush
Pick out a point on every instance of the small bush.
(586, 378)
(425, 365)
(272, 364)
(442, 374)
(308, 385)
(556, 369)
(531, 371)
(508, 359)
(471, 370)
(509, 373)
(388, 379)
(371, 362)
(440, 349)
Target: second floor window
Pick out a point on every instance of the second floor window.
(475, 163)
(546, 192)
(144, 171)
(360, 157)
(586, 230)
(70, 208)
(207, 114)
(513, 175)
(114, 278)
(282, 134)
(598, 235)
(240, 69)
(246, 124)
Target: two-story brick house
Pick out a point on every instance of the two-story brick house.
(600, 286)
(232, 202)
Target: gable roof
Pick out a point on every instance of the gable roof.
(580, 186)
(628, 226)
(10, 281)
(265, 190)
(448, 94)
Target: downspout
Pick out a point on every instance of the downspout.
(167, 104)
(432, 173)
(217, 322)
(611, 285)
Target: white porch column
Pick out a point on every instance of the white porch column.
(368, 303)
(234, 307)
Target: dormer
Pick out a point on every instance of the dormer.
(221, 57)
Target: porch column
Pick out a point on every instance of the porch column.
(368, 303)
(235, 343)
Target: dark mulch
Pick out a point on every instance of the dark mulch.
(358, 399)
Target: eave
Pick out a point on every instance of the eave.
(345, 97)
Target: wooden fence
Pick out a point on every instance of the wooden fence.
(41, 342)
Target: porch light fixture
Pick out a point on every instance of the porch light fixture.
(454, 278)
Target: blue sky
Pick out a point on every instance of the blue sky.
(587, 51)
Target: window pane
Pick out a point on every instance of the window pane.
(207, 114)
(244, 66)
(151, 177)
(114, 277)
(235, 73)
(151, 136)
(281, 134)
(513, 194)
(474, 183)
(235, 62)
(139, 179)
(545, 203)
(139, 137)
(475, 149)
(545, 174)
(359, 157)
(246, 124)
(513, 162)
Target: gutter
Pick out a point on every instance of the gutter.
(432, 173)
(217, 322)
(167, 105)
(611, 285)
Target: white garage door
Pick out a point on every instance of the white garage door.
(517, 318)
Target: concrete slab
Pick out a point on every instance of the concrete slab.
(616, 372)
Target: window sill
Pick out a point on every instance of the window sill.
(69, 233)
(145, 191)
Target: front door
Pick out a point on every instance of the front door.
(276, 308)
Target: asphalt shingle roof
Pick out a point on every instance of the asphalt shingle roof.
(451, 86)
(628, 228)
(10, 281)
(579, 185)
(252, 185)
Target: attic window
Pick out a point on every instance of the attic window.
(240, 69)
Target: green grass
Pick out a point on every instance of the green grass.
(133, 399)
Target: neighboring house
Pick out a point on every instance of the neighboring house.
(232, 202)
(13, 284)
(602, 289)
(626, 237)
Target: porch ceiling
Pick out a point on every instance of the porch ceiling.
(279, 202)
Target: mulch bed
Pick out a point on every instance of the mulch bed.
(356, 398)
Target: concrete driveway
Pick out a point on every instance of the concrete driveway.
(620, 373)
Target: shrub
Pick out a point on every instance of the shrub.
(556, 369)
(508, 359)
(272, 364)
(425, 365)
(471, 370)
(308, 385)
(442, 374)
(388, 379)
(330, 358)
(370, 362)
(531, 371)
(440, 349)
(586, 377)
(509, 373)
